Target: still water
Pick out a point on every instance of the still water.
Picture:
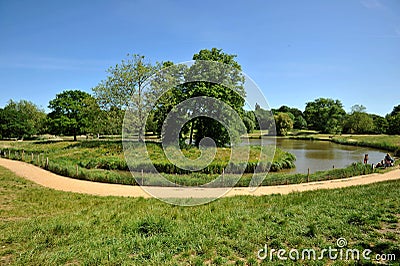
(323, 155)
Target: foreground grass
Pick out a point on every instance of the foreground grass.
(39, 226)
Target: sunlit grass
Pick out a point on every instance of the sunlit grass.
(40, 226)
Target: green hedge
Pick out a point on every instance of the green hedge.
(109, 163)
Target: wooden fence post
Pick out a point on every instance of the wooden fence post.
(142, 178)
(9, 154)
(23, 155)
(47, 163)
(77, 169)
(223, 176)
(308, 175)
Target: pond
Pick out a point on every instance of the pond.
(322, 155)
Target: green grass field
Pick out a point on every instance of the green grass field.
(39, 226)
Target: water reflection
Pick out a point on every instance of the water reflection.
(323, 155)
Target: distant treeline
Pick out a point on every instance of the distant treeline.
(74, 112)
(23, 119)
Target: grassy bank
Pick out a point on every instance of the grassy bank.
(40, 226)
(385, 142)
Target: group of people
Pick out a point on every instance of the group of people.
(386, 162)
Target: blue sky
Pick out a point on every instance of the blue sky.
(296, 51)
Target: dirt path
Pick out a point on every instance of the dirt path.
(50, 180)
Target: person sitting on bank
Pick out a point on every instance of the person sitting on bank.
(380, 164)
(389, 161)
(365, 158)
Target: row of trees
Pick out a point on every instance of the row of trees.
(328, 116)
(73, 112)
(126, 86)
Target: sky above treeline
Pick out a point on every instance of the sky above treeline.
(295, 51)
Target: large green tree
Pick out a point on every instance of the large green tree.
(325, 115)
(229, 72)
(358, 121)
(168, 85)
(296, 114)
(393, 120)
(71, 113)
(396, 110)
(284, 123)
(21, 119)
(264, 119)
(125, 88)
(394, 124)
(300, 122)
(249, 121)
(380, 124)
(214, 74)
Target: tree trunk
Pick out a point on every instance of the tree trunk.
(140, 136)
(74, 134)
(191, 133)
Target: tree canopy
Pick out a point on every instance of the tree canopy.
(21, 119)
(264, 119)
(393, 120)
(284, 123)
(234, 96)
(71, 113)
(358, 121)
(125, 87)
(221, 80)
(325, 115)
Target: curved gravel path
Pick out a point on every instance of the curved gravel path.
(50, 180)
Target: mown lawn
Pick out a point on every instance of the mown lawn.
(388, 142)
(39, 226)
(385, 142)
